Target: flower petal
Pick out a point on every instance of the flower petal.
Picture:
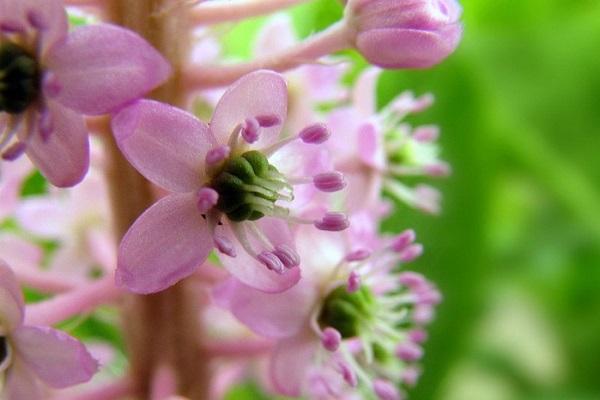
(11, 300)
(251, 272)
(44, 216)
(273, 315)
(13, 175)
(64, 157)
(165, 144)
(290, 362)
(21, 384)
(164, 245)
(257, 94)
(100, 68)
(55, 357)
(364, 93)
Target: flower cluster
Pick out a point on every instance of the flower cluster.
(268, 194)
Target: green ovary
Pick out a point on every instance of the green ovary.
(347, 312)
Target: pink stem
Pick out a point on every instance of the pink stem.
(80, 300)
(335, 38)
(214, 12)
(164, 383)
(113, 390)
(237, 348)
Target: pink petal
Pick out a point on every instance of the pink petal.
(364, 93)
(13, 174)
(64, 157)
(55, 357)
(290, 362)
(21, 384)
(11, 299)
(102, 67)
(44, 216)
(273, 315)
(370, 145)
(251, 272)
(164, 245)
(167, 145)
(19, 254)
(256, 94)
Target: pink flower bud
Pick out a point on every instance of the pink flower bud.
(315, 134)
(405, 34)
(329, 181)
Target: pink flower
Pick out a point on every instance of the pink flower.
(11, 180)
(49, 78)
(405, 33)
(332, 331)
(231, 189)
(32, 355)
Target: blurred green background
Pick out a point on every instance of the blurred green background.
(516, 251)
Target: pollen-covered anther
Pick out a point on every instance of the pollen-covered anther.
(271, 261)
(287, 255)
(333, 221)
(329, 181)
(315, 134)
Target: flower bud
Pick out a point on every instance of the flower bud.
(405, 33)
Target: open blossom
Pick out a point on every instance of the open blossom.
(232, 190)
(31, 356)
(376, 150)
(349, 326)
(49, 78)
(405, 33)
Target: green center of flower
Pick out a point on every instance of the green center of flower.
(20, 78)
(248, 187)
(348, 312)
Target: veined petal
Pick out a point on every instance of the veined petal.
(290, 362)
(251, 272)
(63, 158)
(100, 68)
(164, 245)
(273, 315)
(55, 357)
(165, 144)
(259, 93)
(11, 300)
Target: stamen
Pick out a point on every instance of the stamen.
(224, 245)
(14, 151)
(403, 240)
(249, 130)
(331, 339)
(409, 352)
(315, 134)
(287, 255)
(271, 261)
(426, 134)
(207, 199)
(358, 255)
(353, 282)
(332, 221)
(329, 181)
(45, 124)
(385, 390)
(411, 253)
(216, 155)
(348, 374)
(268, 121)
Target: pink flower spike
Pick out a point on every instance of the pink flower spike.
(333, 221)
(358, 255)
(207, 198)
(315, 134)
(411, 253)
(353, 282)
(331, 339)
(386, 390)
(268, 121)
(216, 155)
(409, 352)
(224, 245)
(249, 130)
(287, 255)
(403, 240)
(271, 261)
(329, 181)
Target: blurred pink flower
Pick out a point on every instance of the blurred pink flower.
(50, 77)
(31, 355)
(229, 191)
(12, 176)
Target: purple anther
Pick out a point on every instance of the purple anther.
(358, 255)
(267, 121)
(271, 261)
(224, 245)
(353, 282)
(439, 169)
(287, 255)
(207, 199)
(250, 130)
(329, 181)
(410, 376)
(216, 155)
(331, 338)
(412, 280)
(408, 352)
(315, 134)
(11, 27)
(348, 374)
(411, 252)
(428, 133)
(385, 390)
(428, 296)
(422, 314)
(14, 151)
(333, 221)
(417, 336)
(403, 240)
